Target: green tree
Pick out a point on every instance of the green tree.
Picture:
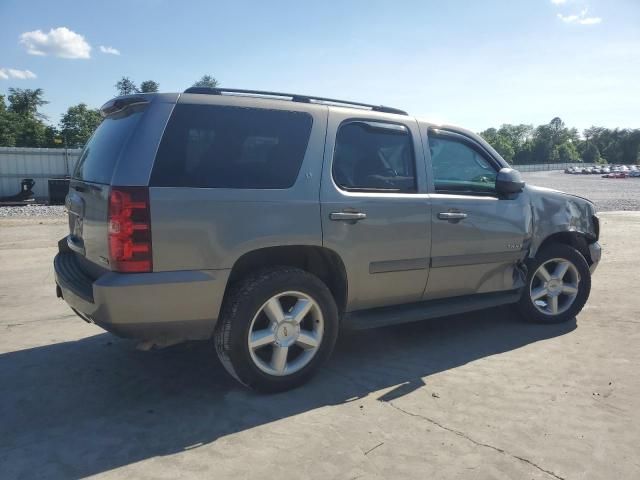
(29, 131)
(78, 123)
(591, 154)
(543, 146)
(501, 142)
(20, 122)
(26, 102)
(566, 152)
(50, 134)
(516, 134)
(555, 142)
(125, 86)
(149, 86)
(7, 134)
(207, 81)
(556, 129)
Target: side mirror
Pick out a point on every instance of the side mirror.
(509, 181)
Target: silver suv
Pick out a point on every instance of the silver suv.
(267, 221)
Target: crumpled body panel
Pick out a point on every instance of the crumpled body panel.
(554, 212)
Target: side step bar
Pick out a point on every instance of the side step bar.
(413, 312)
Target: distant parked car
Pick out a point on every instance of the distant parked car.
(635, 173)
(616, 175)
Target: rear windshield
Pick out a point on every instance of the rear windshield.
(100, 155)
(211, 146)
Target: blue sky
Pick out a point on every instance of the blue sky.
(473, 63)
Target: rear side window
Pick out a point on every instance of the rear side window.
(374, 156)
(100, 155)
(211, 146)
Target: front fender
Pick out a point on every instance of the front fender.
(555, 212)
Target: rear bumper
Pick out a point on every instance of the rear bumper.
(159, 306)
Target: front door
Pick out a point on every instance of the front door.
(375, 207)
(478, 237)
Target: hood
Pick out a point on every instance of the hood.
(536, 190)
(550, 194)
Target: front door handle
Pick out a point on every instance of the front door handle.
(452, 216)
(347, 216)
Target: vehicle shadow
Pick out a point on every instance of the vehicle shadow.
(79, 408)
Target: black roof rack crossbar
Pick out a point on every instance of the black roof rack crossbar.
(294, 97)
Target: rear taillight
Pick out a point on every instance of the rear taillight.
(130, 230)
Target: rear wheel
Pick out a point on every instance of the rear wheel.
(558, 285)
(277, 327)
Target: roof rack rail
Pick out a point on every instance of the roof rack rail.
(293, 97)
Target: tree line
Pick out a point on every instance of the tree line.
(23, 125)
(556, 143)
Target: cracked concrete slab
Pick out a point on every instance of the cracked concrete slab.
(482, 395)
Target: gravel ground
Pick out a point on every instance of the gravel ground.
(609, 194)
(32, 211)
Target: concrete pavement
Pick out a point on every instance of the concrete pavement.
(483, 395)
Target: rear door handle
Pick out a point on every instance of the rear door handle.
(452, 216)
(347, 216)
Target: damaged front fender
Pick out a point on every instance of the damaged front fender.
(554, 212)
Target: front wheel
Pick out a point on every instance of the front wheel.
(558, 285)
(277, 327)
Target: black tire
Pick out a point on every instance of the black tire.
(242, 303)
(526, 305)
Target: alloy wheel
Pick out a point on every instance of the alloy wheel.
(286, 333)
(554, 286)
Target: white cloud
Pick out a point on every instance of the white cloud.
(590, 21)
(580, 18)
(7, 73)
(558, 2)
(109, 50)
(568, 18)
(59, 42)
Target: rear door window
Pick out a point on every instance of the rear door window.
(100, 155)
(374, 156)
(210, 146)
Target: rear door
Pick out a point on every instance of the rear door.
(375, 208)
(88, 198)
(478, 237)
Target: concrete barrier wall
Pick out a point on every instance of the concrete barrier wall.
(37, 163)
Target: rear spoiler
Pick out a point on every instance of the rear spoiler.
(120, 103)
